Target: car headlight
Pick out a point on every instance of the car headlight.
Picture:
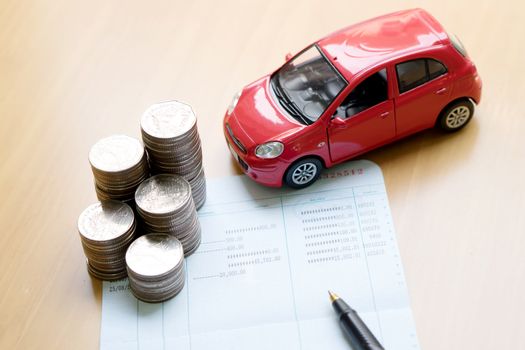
(234, 102)
(269, 150)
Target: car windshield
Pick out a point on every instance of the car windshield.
(307, 85)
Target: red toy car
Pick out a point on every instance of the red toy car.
(356, 89)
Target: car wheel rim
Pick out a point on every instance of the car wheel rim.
(457, 117)
(304, 173)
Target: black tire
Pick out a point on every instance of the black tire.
(303, 173)
(456, 116)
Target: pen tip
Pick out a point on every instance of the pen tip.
(333, 296)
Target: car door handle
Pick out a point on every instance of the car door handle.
(441, 91)
(384, 115)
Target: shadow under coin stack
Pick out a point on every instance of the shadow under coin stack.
(169, 132)
(119, 165)
(166, 206)
(155, 264)
(106, 230)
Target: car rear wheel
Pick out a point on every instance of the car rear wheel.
(456, 116)
(303, 173)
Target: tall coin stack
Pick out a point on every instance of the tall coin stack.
(119, 165)
(155, 265)
(106, 230)
(166, 206)
(169, 132)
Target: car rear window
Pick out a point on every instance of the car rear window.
(458, 45)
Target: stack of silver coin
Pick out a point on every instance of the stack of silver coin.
(119, 165)
(106, 230)
(155, 264)
(169, 132)
(166, 206)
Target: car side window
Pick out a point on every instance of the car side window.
(413, 73)
(435, 68)
(368, 93)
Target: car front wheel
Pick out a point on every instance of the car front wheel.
(303, 173)
(456, 116)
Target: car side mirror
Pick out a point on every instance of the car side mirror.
(288, 57)
(338, 121)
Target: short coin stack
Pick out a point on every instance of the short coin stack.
(166, 206)
(119, 165)
(169, 132)
(155, 264)
(106, 230)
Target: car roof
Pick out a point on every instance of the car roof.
(366, 44)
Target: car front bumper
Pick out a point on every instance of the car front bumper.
(268, 172)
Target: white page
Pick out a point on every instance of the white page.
(268, 257)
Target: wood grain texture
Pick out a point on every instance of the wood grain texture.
(72, 72)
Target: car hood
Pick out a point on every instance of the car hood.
(257, 119)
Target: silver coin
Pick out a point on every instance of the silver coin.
(157, 290)
(200, 177)
(180, 219)
(105, 196)
(157, 299)
(108, 267)
(191, 160)
(193, 247)
(143, 283)
(108, 251)
(159, 287)
(157, 284)
(191, 240)
(168, 120)
(106, 276)
(119, 193)
(175, 157)
(124, 179)
(118, 188)
(165, 219)
(186, 144)
(198, 187)
(177, 229)
(187, 141)
(115, 184)
(162, 194)
(154, 254)
(104, 221)
(200, 198)
(186, 173)
(188, 164)
(182, 164)
(116, 153)
(153, 142)
(134, 170)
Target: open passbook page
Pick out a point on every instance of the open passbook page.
(260, 278)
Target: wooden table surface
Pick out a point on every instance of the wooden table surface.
(72, 72)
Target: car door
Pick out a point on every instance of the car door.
(424, 87)
(364, 120)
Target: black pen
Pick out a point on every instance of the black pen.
(358, 333)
